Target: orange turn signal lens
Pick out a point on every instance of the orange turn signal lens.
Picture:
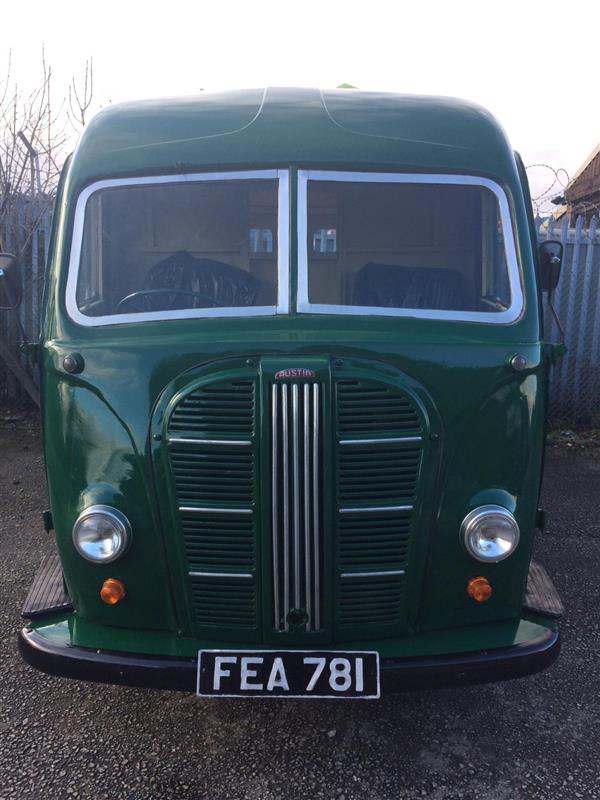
(112, 591)
(479, 589)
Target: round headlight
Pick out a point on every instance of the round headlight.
(490, 533)
(101, 534)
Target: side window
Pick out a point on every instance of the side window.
(90, 275)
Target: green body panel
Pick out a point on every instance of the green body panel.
(292, 126)
(486, 421)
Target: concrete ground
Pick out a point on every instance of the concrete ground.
(536, 737)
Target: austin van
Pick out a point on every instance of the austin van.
(294, 385)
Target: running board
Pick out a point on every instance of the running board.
(540, 594)
(47, 594)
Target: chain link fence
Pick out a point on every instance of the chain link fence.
(575, 379)
(25, 233)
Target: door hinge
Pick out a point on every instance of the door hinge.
(48, 521)
(541, 520)
(31, 349)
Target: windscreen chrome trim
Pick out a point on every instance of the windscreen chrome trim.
(304, 305)
(282, 307)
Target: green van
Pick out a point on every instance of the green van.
(294, 390)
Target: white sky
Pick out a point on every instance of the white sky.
(535, 65)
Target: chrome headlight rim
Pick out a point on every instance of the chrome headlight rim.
(469, 527)
(120, 522)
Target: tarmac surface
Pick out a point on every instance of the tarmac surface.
(536, 737)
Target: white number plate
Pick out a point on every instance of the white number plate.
(288, 673)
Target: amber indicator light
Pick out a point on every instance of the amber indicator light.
(479, 589)
(112, 591)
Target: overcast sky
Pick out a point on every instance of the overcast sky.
(534, 65)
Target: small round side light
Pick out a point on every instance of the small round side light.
(73, 363)
(479, 589)
(112, 591)
(518, 362)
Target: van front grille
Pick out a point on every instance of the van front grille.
(296, 497)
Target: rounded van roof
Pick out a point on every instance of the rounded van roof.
(276, 127)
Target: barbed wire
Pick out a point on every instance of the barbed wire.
(560, 180)
(545, 202)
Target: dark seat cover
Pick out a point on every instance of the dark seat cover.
(226, 285)
(411, 287)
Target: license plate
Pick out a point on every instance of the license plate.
(288, 673)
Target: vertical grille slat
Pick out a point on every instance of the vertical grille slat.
(286, 506)
(296, 546)
(316, 498)
(275, 498)
(296, 495)
(307, 517)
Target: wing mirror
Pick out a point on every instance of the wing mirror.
(11, 286)
(551, 254)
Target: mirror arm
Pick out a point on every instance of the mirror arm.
(561, 330)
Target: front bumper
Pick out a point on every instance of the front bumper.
(51, 655)
(58, 641)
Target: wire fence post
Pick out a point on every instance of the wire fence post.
(571, 284)
(580, 348)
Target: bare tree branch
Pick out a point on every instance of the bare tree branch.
(33, 138)
(80, 100)
(6, 81)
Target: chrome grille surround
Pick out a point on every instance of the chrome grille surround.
(295, 501)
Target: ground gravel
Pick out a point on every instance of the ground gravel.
(536, 737)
